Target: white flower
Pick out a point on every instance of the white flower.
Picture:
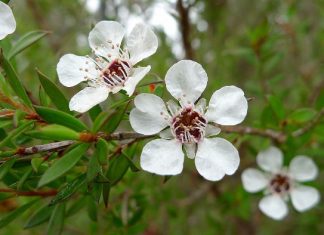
(189, 125)
(280, 183)
(112, 69)
(7, 21)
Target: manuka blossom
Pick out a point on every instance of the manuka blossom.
(113, 67)
(280, 183)
(189, 124)
(7, 21)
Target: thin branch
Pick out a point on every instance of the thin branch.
(30, 193)
(309, 125)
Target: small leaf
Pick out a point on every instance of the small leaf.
(277, 107)
(118, 167)
(40, 216)
(59, 117)
(93, 168)
(64, 164)
(35, 163)
(101, 151)
(5, 167)
(94, 112)
(69, 190)
(16, 132)
(105, 193)
(54, 132)
(26, 41)
(113, 122)
(55, 225)
(92, 209)
(54, 93)
(302, 115)
(23, 179)
(14, 214)
(14, 82)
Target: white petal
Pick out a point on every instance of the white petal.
(7, 21)
(191, 150)
(162, 157)
(201, 105)
(105, 37)
(227, 106)
(73, 69)
(304, 197)
(303, 168)
(146, 118)
(212, 130)
(270, 159)
(137, 75)
(274, 207)
(166, 134)
(173, 107)
(215, 158)
(186, 80)
(254, 180)
(141, 43)
(87, 98)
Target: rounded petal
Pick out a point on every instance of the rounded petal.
(7, 21)
(150, 115)
(141, 43)
(254, 180)
(191, 150)
(105, 38)
(303, 169)
(216, 157)
(73, 69)
(212, 130)
(135, 78)
(227, 106)
(162, 157)
(274, 207)
(87, 98)
(186, 80)
(304, 197)
(270, 159)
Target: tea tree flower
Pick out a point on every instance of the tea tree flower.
(280, 183)
(113, 67)
(7, 21)
(189, 124)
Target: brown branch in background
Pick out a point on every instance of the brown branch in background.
(30, 193)
(44, 147)
(184, 21)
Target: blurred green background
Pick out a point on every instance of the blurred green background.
(272, 49)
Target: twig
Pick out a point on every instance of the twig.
(30, 193)
(309, 125)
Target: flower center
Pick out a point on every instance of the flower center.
(280, 183)
(116, 73)
(189, 126)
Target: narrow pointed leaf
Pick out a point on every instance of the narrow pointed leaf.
(39, 217)
(54, 132)
(16, 132)
(55, 225)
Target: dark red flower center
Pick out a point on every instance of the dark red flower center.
(189, 126)
(116, 73)
(280, 183)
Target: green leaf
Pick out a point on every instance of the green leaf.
(39, 217)
(302, 115)
(94, 112)
(105, 193)
(55, 116)
(16, 132)
(14, 214)
(118, 167)
(93, 168)
(113, 122)
(14, 82)
(69, 190)
(35, 163)
(23, 179)
(277, 107)
(64, 164)
(101, 152)
(92, 209)
(5, 167)
(55, 225)
(54, 132)
(54, 93)
(26, 41)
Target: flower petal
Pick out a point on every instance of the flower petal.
(304, 197)
(105, 38)
(303, 168)
(7, 21)
(87, 98)
(150, 115)
(270, 159)
(135, 78)
(166, 134)
(227, 106)
(254, 180)
(191, 150)
(212, 130)
(162, 157)
(141, 43)
(186, 80)
(216, 157)
(73, 69)
(274, 207)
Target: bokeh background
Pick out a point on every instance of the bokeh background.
(272, 49)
